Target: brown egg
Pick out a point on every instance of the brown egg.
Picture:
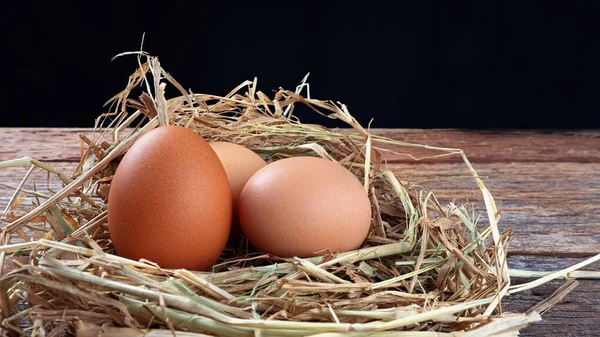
(169, 201)
(240, 164)
(304, 206)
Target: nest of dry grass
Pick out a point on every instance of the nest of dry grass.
(426, 269)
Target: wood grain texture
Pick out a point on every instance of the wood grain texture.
(546, 185)
(500, 146)
(43, 144)
(480, 146)
(552, 206)
(576, 315)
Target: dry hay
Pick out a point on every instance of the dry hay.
(426, 269)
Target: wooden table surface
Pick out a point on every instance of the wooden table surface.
(546, 185)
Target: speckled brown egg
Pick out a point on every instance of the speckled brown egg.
(170, 201)
(304, 206)
(240, 164)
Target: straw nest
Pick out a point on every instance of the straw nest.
(426, 269)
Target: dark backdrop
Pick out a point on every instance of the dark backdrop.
(412, 64)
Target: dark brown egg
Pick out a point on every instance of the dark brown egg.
(170, 201)
(304, 206)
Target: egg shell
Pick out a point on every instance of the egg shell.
(304, 206)
(240, 163)
(170, 201)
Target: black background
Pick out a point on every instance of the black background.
(407, 64)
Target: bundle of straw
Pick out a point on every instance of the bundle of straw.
(426, 269)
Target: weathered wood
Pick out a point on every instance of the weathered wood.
(37, 181)
(45, 144)
(552, 206)
(500, 146)
(480, 146)
(546, 185)
(576, 315)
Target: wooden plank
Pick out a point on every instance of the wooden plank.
(37, 181)
(552, 206)
(45, 144)
(576, 315)
(57, 144)
(496, 146)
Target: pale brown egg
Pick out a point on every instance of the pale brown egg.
(304, 206)
(169, 201)
(240, 164)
